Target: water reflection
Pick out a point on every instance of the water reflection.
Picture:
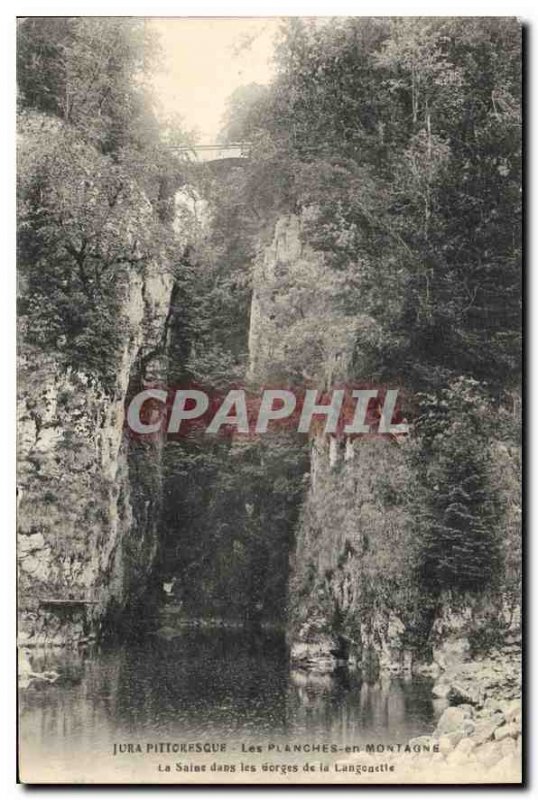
(216, 685)
(348, 710)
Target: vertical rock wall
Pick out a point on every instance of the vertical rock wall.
(350, 592)
(88, 496)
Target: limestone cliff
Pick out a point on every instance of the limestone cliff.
(297, 329)
(88, 496)
(353, 596)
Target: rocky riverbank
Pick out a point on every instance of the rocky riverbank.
(478, 736)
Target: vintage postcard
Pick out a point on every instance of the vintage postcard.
(269, 396)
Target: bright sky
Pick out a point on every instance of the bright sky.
(204, 60)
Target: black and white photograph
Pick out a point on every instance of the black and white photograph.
(269, 400)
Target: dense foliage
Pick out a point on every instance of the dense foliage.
(95, 184)
(398, 143)
(402, 138)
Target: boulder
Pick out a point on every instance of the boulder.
(320, 655)
(489, 753)
(432, 669)
(441, 690)
(468, 727)
(459, 693)
(512, 711)
(469, 710)
(452, 719)
(461, 753)
(465, 745)
(494, 704)
(484, 731)
(504, 731)
(448, 741)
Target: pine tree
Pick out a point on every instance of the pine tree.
(460, 550)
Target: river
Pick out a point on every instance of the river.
(207, 686)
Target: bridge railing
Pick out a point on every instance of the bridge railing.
(215, 152)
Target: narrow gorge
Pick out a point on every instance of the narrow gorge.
(368, 583)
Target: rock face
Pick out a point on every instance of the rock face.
(341, 546)
(351, 574)
(354, 505)
(283, 252)
(293, 318)
(89, 496)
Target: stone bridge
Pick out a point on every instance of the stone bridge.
(202, 153)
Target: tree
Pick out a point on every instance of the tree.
(245, 113)
(461, 548)
(95, 185)
(402, 140)
(86, 70)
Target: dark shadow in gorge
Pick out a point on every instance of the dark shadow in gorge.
(229, 514)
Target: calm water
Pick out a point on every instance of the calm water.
(209, 686)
